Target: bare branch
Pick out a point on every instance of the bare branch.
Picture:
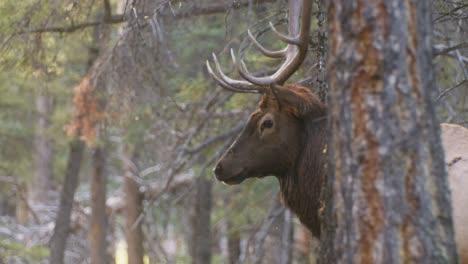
(450, 13)
(443, 50)
(195, 10)
(107, 10)
(115, 19)
(215, 139)
(447, 91)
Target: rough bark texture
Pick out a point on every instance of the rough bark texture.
(43, 151)
(201, 240)
(62, 222)
(390, 192)
(133, 213)
(97, 235)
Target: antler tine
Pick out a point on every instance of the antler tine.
(224, 84)
(264, 51)
(239, 86)
(244, 73)
(285, 38)
(295, 52)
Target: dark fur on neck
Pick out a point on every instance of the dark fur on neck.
(301, 186)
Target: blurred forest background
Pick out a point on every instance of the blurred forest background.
(110, 126)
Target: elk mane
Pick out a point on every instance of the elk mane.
(301, 186)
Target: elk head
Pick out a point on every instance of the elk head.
(273, 136)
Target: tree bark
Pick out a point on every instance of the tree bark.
(274, 216)
(278, 244)
(201, 240)
(287, 238)
(97, 236)
(22, 206)
(62, 222)
(390, 193)
(133, 211)
(302, 244)
(43, 151)
(233, 241)
(71, 182)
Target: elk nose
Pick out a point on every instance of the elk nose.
(218, 169)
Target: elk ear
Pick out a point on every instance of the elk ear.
(299, 101)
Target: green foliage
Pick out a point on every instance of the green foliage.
(32, 254)
(191, 90)
(31, 64)
(16, 124)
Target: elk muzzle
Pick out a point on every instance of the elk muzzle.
(230, 169)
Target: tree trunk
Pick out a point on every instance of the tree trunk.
(287, 236)
(302, 244)
(278, 244)
(43, 151)
(71, 182)
(201, 240)
(62, 222)
(97, 236)
(133, 211)
(22, 206)
(391, 201)
(270, 228)
(233, 241)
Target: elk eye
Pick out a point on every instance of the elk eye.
(267, 124)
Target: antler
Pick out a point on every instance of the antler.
(294, 54)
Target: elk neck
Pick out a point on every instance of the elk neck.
(302, 184)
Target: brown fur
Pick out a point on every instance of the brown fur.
(293, 153)
(300, 163)
(301, 186)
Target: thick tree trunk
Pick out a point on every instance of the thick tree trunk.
(201, 240)
(62, 222)
(43, 151)
(97, 236)
(391, 201)
(133, 212)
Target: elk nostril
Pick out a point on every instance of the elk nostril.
(218, 169)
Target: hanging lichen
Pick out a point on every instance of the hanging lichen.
(87, 113)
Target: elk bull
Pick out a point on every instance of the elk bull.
(286, 137)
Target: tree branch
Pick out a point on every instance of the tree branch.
(447, 91)
(115, 19)
(215, 139)
(107, 10)
(450, 13)
(443, 50)
(195, 10)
